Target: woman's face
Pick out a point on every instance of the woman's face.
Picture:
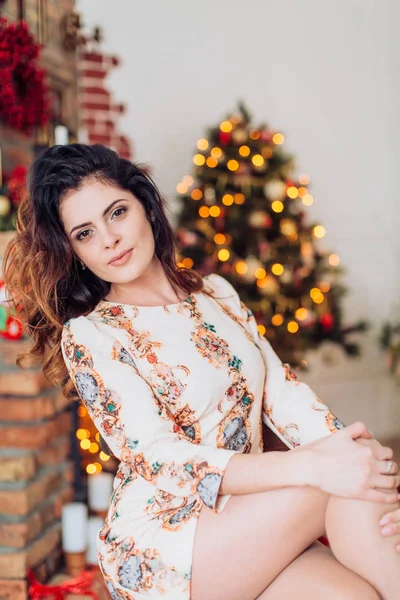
(109, 231)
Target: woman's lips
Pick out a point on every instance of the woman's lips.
(122, 259)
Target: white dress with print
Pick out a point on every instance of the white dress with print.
(176, 391)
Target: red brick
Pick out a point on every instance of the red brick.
(22, 501)
(94, 90)
(19, 534)
(14, 565)
(94, 73)
(95, 106)
(35, 435)
(13, 589)
(91, 57)
(27, 408)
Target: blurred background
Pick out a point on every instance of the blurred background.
(272, 131)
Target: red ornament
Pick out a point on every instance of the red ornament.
(224, 137)
(327, 321)
(24, 97)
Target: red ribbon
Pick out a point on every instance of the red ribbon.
(79, 585)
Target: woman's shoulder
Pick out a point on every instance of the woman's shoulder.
(219, 286)
(82, 329)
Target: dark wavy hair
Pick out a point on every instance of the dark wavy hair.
(41, 270)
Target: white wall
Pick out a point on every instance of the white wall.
(326, 74)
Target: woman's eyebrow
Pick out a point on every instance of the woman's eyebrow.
(105, 211)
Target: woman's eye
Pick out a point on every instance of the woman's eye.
(83, 235)
(119, 211)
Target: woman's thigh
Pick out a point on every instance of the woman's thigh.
(240, 551)
(316, 574)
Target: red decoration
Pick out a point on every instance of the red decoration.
(327, 321)
(79, 585)
(224, 137)
(17, 184)
(24, 98)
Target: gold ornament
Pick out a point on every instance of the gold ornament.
(5, 206)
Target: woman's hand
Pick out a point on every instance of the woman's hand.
(343, 467)
(390, 524)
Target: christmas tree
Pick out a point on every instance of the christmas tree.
(243, 215)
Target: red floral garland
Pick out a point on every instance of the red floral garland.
(24, 97)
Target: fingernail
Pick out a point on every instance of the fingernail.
(387, 530)
(384, 521)
(398, 548)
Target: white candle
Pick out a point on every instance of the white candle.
(61, 135)
(100, 488)
(94, 526)
(74, 527)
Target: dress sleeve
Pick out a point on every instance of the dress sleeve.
(133, 419)
(290, 408)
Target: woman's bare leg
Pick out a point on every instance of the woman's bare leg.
(316, 575)
(239, 552)
(354, 535)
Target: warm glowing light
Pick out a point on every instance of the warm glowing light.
(181, 188)
(81, 411)
(292, 192)
(211, 162)
(277, 206)
(241, 267)
(277, 320)
(199, 159)
(226, 126)
(307, 200)
(97, 437)
(277, 269)
(278, 138)
(254, 134)
(301, 314)
(104, 456)
(188, 179)
(223, 254)
(266, 152)
(196, 194)
(304, 179)
(244, 150)
(324, 286)
(187, 263)
(292, 327)
(98, 467)
(257, 160)
(288, 227)
(316, 295)
(261, 329)
(219, 238)
(227, 199)
(91, 469)
(93, 448)
(215, 211)
(202, 144)
(239, 198)
(82, 434)
(302, 191)
(334, 260)
(204, 212)
(260, 273)
(216, 152)
(233, 165)
(319, 231)
(85, 444)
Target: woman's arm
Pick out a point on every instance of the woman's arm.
(335, 464)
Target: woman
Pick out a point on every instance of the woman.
(175, 375)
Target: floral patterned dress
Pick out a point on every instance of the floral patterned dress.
(176, 391)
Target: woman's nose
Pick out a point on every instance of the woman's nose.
(111, 240)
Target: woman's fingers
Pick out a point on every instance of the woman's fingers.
(386, 482)
(388, 467)
(383, 497)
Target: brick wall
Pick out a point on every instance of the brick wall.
(99, 113)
